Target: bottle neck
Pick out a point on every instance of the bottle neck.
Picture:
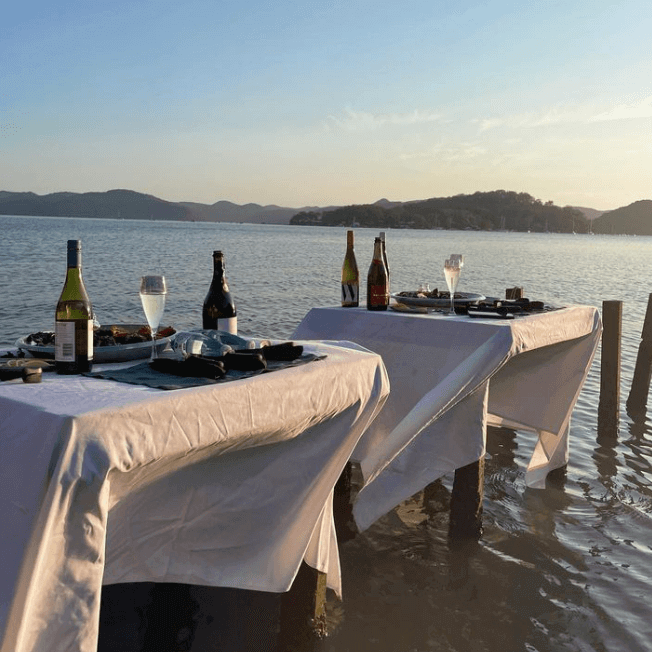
(219, 279)
(218, 265)
(74, 258)
(378, 251)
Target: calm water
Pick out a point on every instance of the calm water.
(568, 568)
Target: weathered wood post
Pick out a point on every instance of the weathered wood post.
(637, 400)
(343, 496)
(609, 407)
(303, 610)
(466, 502)
(512, 294)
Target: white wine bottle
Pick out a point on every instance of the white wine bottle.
(377, 282)
(73, 321)
(219, 311)
(350, 275)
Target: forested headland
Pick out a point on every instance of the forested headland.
(498, 210)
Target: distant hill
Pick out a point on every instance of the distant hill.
(226, 211)
(635, 219)
(127, 204)
(119, 204)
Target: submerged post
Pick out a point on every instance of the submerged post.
(303, 610)
(609, 408)
(636, 402)
(512, 294)
(343, 497)
(466, 502)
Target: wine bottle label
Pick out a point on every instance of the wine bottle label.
(350, 293)
(378, 295)
(89, 340)
(65, 340)
(230, 325)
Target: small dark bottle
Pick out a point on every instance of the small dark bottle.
(377, 282)
(219, 311)
(73, 320)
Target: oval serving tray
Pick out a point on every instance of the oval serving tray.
(461, 299)
(113, 353)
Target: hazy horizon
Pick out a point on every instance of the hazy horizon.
(336, 103)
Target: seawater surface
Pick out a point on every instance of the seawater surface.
(566, 568)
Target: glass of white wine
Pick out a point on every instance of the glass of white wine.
(153, 291)
(452, 269)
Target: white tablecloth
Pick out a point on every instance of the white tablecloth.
(224, 485)
(449, 377)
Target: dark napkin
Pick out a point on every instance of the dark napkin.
(508, 308)
(143, 374)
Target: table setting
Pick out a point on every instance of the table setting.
(156, 466)
(450, 302)
(174, 359)
(458, 362)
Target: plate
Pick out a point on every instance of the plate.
(462, 299)
(113, 353)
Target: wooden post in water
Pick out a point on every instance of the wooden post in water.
(466, 502)
(303, 610)
(609, 408)
(513, 293)
(637, 400)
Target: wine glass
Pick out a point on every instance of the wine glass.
(452, 268)
(152, 295)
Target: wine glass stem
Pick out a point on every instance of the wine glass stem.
(154, 353)
(452, 289)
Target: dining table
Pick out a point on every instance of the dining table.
(453, 375)
(229, 484)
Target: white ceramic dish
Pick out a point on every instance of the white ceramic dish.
(113, 353)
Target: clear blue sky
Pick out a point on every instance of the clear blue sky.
(330, 102)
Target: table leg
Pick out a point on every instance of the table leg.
(466, 501)
(234, 620)
(303, 610)
(170, 618)
(345, 490)
(123, 616)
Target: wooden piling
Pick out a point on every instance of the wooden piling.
(637, 400)
(466, 502)
(512, 294)
(303, 610)
(609, 407)
(343, 496)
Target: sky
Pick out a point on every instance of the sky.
(328, 103)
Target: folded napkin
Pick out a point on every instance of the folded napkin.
(195, 371)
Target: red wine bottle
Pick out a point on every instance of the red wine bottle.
(377, 281)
